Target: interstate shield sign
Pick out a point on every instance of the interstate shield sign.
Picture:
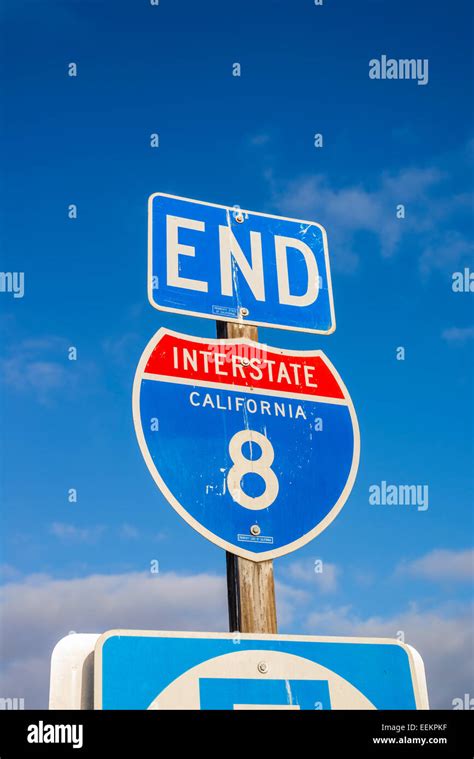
(257, 448)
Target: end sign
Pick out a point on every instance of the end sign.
(224, 263)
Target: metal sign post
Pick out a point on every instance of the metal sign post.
(250, 584)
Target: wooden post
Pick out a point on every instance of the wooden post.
(250, 584)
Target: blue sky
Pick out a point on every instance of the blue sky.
(246, 140)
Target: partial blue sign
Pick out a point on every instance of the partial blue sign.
(177, 670)
(256, 447)
(227, 264)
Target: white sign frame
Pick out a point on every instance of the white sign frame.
(72, 672)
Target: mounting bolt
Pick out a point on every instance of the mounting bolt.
(245, 361)
(244, 312)
(239, 217)
(262, 667)
(255, 529)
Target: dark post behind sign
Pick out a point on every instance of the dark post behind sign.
(250, 584)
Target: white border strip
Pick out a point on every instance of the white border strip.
(72, 672)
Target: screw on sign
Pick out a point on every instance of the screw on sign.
(257, 447)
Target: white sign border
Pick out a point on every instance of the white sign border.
(417, 669)
(71, 674)
(216, 317)
(264, 555)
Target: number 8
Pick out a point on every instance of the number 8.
(260, 466)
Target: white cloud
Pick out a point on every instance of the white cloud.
(9, 572)
(69, 532)
(322, 576)
(447, 250)
(39, 610)
(409, 184)
(27, 678)
(40, 367)
(129, 532)
(65, 532)
(430, 227)
(257, 140)
(458, 335)
(441, 564)
(44, 377)
(289, 599)
(445, 642)
(123, 350)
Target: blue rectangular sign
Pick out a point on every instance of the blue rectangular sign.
(179, 670)
(224, 263)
